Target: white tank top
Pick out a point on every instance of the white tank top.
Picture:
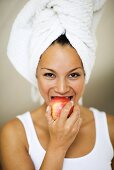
(98, 159)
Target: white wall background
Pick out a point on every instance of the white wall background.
(15, 91)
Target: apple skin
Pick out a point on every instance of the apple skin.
(57, 104)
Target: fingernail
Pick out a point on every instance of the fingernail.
(47, 109)
(72, 102)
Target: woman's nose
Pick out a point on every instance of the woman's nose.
(61, 87)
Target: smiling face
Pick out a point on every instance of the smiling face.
(60, 73)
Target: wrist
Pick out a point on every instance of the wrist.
(56, 150)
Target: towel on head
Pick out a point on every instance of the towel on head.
(41, 22)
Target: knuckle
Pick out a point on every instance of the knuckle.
(67, 128)
(79, 121)
(74, 130)
(75, 116)
(77, 113)
(77, 108)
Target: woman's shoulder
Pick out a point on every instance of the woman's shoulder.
(13, 131)
(13, 126)
(13, 142)
(110, 121)
(110, 118)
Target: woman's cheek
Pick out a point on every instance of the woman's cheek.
(44, 88)
(79, 88)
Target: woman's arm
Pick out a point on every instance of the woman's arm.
(53, 159)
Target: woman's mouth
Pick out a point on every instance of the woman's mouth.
(57, 97)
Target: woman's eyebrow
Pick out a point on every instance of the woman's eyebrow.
(69, 71)
(75, 69)
(49, 69)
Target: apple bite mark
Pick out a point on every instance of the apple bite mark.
(57, 103)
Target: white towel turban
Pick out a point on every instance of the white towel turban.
(41, 22)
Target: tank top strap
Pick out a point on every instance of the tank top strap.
(102, 131)
(30, 132)
(36, 152)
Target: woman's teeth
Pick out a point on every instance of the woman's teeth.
(68, 97)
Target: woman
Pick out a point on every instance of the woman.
(83, 140)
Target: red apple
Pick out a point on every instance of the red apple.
(57, 104)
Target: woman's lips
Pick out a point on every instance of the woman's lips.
(68, 97)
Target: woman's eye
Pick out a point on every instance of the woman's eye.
(49, 75)
(74, 75)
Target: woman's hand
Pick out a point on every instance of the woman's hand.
(63, 130)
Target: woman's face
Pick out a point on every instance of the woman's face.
(60, 73)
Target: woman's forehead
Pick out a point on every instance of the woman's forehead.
(58, 55)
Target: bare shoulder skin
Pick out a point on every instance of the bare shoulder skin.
(14, 147)
(110, 120)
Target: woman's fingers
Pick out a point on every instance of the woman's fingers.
(64, 129)
(74, 116)
(65, 111)
(49, 116)
(76, 126)
(70, 124)
(74, 119)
